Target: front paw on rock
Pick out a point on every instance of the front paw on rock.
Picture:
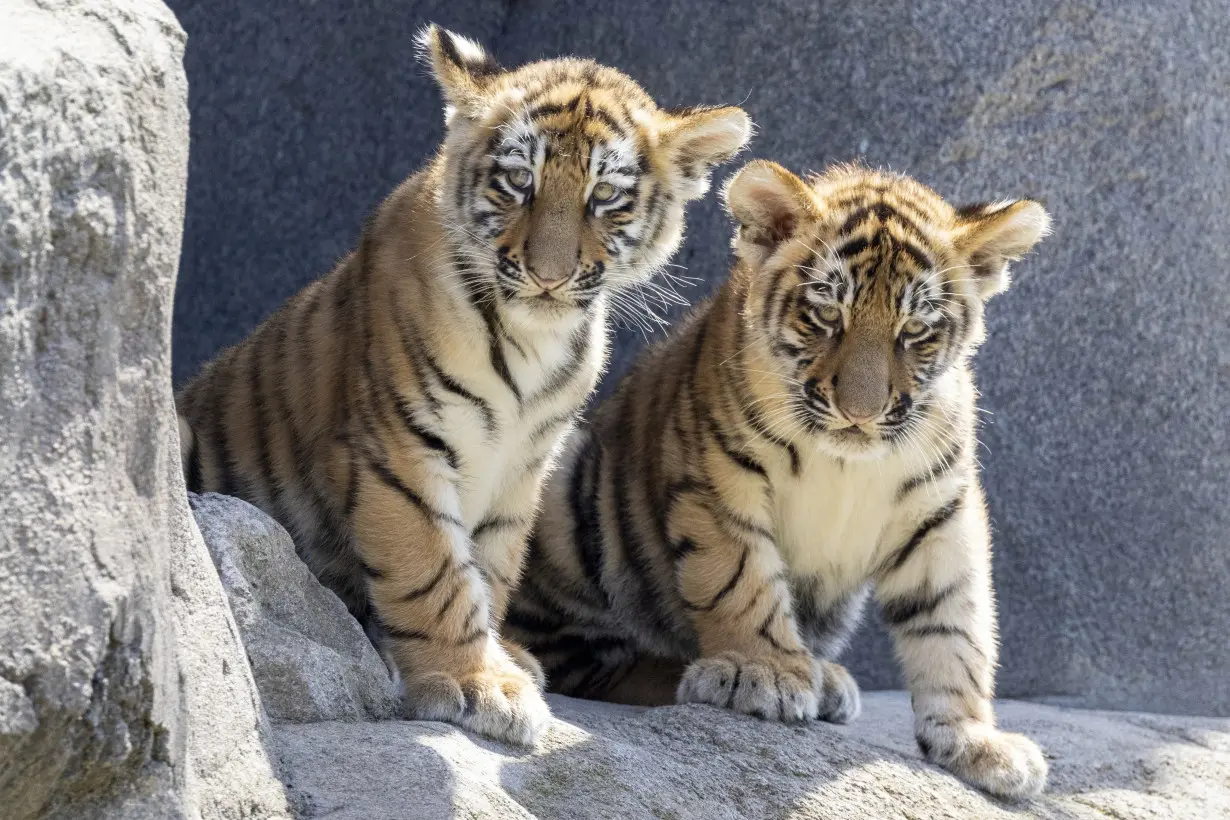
(504, 705)
(1004, 764)
(764, 687)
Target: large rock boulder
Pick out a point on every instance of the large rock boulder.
(1107, 371)
(124, 691)
(310, 659)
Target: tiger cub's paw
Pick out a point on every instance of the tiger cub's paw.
(837, 693)
(1004, 764)
(762, 686)
(503, 704)
(527, 662)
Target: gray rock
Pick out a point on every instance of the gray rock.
(123, 688)
(310, 658)
(684, 762)
(1107, 373)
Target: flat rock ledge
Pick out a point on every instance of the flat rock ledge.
(676, 763)
(685, 762)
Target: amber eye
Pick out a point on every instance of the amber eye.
(604, 192)
(914, 327)
(830, 314)
(520, 178)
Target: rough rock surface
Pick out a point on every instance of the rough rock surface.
(123, 688)
(310, 659)
(1108, 368)
(604, 761)
(685, 762)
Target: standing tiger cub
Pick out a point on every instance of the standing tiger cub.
(807, 434)
(399, 415)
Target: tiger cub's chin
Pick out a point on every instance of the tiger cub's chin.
(804, 438)
(399, 415)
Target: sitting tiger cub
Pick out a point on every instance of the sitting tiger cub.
(398, 416)
(806, 434)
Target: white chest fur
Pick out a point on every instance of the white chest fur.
(496, 461)
(831, 519)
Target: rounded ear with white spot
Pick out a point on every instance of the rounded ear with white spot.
(993, 235)
(770, 204)
(462, 68)
(699, 139)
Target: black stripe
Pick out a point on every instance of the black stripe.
(936, 470)
(429, 439)
(456, 388)
(936, 631)
(587, 523)
(551, 424)
(903, 608)
(448, 603)
(499, 362)
(391, 480)
(772, 293)
(226, 483)
(352, 481)
(405, 634)
(742, 460)
(566, 372)
(626, 536)
(724, 591)
(739, 522)
(853, 247)
(427, 588)
(733, 377)
(941, 516)
(858, 217)
(683, 548)
(764, 632)
(917, 254)
(477, 633)
(493, 523)
(194, 480)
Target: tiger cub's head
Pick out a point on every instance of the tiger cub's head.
(868, 288)
(562, 178)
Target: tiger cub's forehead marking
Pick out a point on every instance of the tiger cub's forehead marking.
(528, 141)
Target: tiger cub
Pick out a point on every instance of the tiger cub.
(398, 415)
(809, 433)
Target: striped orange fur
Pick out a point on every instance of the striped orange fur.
(805, 436)
(398, 416)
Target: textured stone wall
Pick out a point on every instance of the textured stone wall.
(1106, 375)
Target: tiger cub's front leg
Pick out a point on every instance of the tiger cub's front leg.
(432, 599)
(733, 585)
(500, 541)
(935, 594)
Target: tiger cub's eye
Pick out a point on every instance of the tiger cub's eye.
(604, 192)
(830, 314)
(520, 178)
(914, 327)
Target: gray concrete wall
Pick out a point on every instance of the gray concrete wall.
(1106, 375)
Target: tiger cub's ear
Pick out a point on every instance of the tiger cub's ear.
(699, 139)
(992, 235)
(771, 205)
(461, 66)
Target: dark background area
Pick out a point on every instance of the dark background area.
(1107, 444)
